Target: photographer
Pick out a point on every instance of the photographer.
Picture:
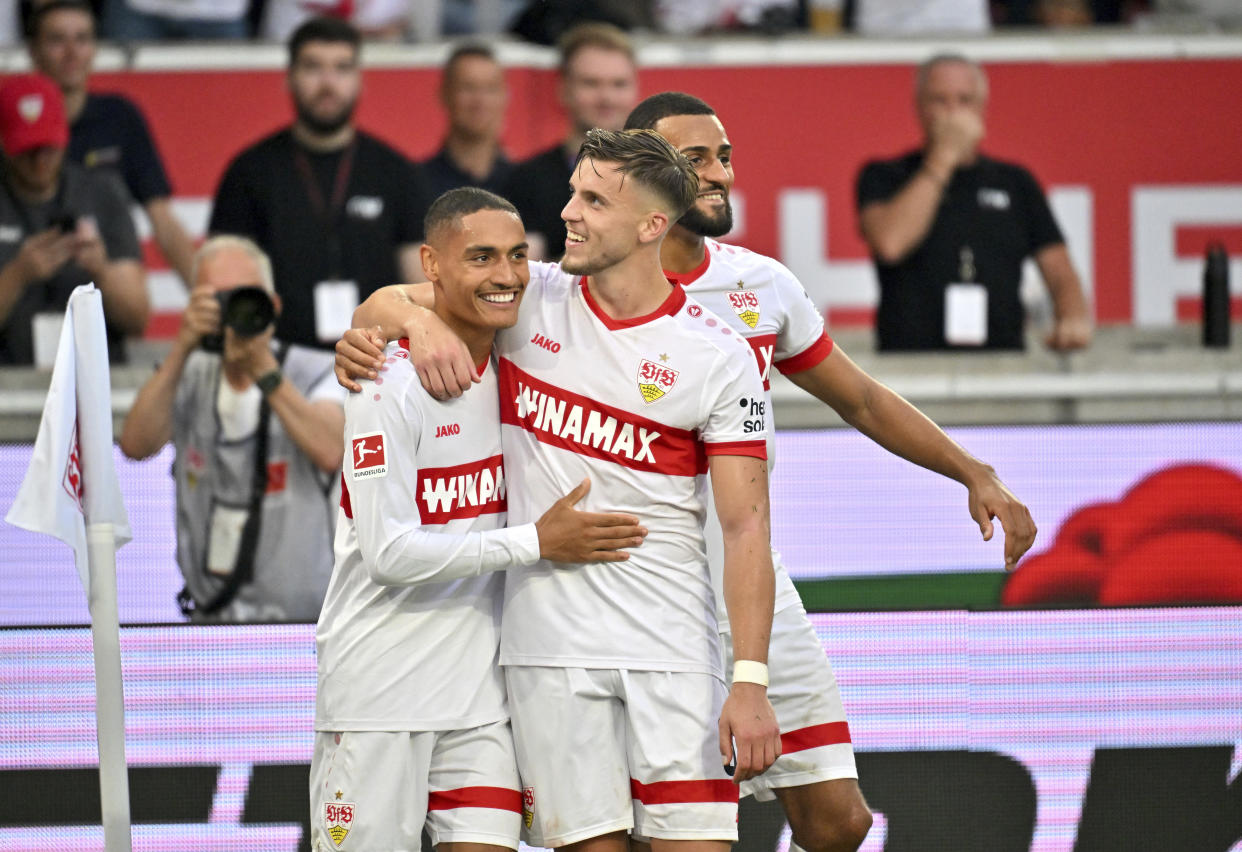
(60, 227)
(258, 429)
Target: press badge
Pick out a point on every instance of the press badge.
(224, 539)
(45, 336)
(966, 314)
(335, 302)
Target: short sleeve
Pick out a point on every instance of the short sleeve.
(801, 342)
(234, 211)
(142, 167)
(1042, 229)
(878, 181)
(113, 217)
(735, 406)
(414, 193)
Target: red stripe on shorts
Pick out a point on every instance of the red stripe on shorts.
(831, 733)
(683, 792)
(500, 798)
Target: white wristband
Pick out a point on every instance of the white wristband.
(749, 671)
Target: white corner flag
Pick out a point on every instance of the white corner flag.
(71, 492)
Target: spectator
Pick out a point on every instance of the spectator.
(167, 20)
(339, 212)
(473, 94)
(105, 130)
(254, 507)
(949, 229)
(60, 226)
(599, 87)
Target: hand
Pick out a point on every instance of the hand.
(252, 354)
(201, 317)
(568, 535)
(441, 358)
(955, 137)
(359, 354)
(988, 498)
(1069, 333)
(89, 251)
(43, 254)
(748, 721)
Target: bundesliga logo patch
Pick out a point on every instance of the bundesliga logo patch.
(655, 380)
(338, 819)
(370, 458)
(746, 305)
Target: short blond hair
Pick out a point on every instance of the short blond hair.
(593, 34)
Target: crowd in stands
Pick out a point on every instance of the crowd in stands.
(544, 21)
(337, 213)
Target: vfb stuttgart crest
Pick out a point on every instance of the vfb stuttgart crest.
(655, 380)
(746, 305)
(338, 817)
(528, 806)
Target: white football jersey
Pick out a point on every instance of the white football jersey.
(637, 406)
(410, 627)
(765, 303)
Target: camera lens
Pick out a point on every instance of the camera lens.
(248, 311)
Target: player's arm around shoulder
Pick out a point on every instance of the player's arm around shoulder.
(439, 356)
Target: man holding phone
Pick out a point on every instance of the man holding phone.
(60, 227)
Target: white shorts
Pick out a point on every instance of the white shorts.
(815, 739)
(374, 790)
(604, 750)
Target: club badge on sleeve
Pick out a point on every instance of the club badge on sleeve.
(370, 455)
(655, 380)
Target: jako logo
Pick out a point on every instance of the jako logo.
(550, 345)
(445, 431)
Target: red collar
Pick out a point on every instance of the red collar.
(684, 278)
(669, 306)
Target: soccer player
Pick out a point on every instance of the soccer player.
(411, 718)
(615, 677)
(815, 778)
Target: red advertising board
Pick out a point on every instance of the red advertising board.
(1139, 155)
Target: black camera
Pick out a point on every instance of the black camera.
(246, 310)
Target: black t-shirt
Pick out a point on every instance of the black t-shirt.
(997, 211)
(82, 194)
(442, 174)
(111, 133)
(539, 189)
(267, 196)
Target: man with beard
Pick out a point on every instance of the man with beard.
(815, 778)
(339, 212)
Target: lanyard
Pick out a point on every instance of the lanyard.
(328, 212)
